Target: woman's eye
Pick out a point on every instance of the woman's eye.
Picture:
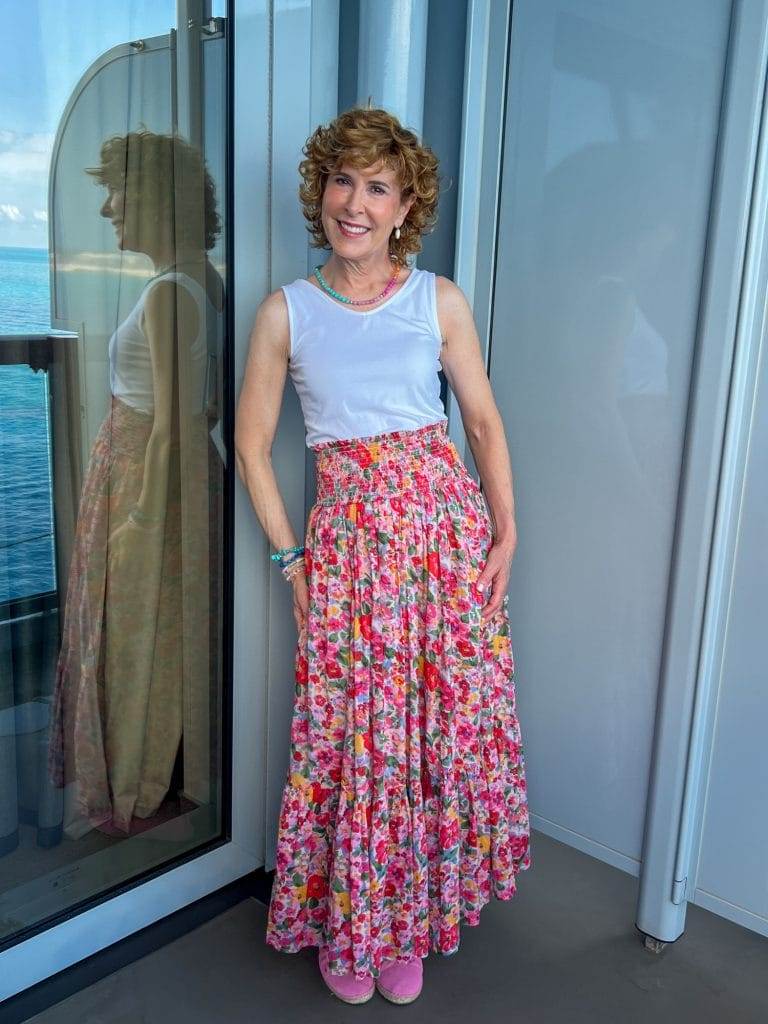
(343, 181)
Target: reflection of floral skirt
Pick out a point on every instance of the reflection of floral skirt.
(404, 808)
(117, 712)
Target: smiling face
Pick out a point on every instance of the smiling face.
(135, 227)
(361, 209)
(113, 208)
(126, 220)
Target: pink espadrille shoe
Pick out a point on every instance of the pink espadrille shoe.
(345, 986)
(401, 983)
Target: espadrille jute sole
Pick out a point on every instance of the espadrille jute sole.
(354, 1001)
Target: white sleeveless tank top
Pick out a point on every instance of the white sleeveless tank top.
(130, 362)
(359, 373)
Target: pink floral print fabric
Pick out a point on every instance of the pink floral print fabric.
(404, 808)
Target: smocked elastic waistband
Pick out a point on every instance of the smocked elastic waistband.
(398, 462)
(420, 437)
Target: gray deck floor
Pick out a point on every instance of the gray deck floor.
(564, 949)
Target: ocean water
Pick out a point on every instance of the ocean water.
(25, 300)
(26, 513)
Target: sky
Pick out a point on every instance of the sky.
(47, 46)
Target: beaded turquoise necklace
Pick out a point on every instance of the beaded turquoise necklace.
(356, 302)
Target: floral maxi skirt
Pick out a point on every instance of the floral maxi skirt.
(404, 808)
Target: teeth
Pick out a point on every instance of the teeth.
(353, 230)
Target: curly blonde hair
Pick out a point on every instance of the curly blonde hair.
(367, 137)
(167, 177)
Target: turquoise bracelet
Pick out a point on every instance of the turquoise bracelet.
(285, 551)
(143, 518)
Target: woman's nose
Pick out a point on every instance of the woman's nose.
(106, 208)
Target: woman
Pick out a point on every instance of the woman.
(404, 807)
(139, 563)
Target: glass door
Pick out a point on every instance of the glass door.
(114, 399)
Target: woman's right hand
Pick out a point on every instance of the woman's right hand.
(300, 600)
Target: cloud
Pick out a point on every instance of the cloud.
(10, 212)
(37, 142)
(21, 164)
(24, 155)
(24, 162)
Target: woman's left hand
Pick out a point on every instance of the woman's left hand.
(127, 530)
(495, 575)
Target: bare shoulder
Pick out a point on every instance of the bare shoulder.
(452, 305)
(168, 305)
(272, 328)
(164, 297)
(447, 288)
(274, 309)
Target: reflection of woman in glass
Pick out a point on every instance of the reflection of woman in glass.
(131, 617)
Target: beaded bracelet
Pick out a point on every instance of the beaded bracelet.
(291, 560)
(139, 518)
(295, 567)
(288, 559)
(285, 551)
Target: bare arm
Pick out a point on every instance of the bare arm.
(258, 410)
(167, 307)
(464, 368)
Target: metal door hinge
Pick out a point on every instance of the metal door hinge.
(678, 890)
